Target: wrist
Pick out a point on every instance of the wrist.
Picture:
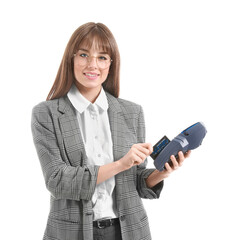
(120, 166)
(155, 177)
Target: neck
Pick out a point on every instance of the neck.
(90, 94)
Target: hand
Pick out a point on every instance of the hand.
(176, 163)
(136, 155)
(158, 176)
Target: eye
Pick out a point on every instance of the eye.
(103, 58)
(83, 55)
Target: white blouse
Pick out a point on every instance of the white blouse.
(96, 134)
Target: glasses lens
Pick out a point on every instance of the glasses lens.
(103, 61)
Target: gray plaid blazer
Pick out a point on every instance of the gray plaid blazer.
(72, 182)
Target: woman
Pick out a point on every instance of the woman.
(91, 146)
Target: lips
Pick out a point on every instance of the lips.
(91, 75)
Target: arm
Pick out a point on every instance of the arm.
(135, 156)
(109, 170)
(142, 172)
(156, 177)
(65, 181)
(62, 180)
(150, 181)
(147, 178)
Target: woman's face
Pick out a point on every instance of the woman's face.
(91, 68)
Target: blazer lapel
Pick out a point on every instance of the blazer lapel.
(122, 139)
(117, 126)
(121, 136)
(71, 133)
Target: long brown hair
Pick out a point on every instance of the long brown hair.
(87, 33)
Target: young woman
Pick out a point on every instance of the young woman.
(91, 146)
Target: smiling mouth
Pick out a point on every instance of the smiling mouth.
(91, 75)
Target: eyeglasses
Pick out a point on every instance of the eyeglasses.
(103, 60)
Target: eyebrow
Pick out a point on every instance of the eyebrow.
(85, 50)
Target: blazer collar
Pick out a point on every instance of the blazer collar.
(113, 103)
(65, 106)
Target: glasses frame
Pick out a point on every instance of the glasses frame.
(88, 59)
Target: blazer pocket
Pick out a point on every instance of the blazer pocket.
(63, 229)
(62, 221)
(68, 213)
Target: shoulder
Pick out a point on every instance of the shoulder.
(123, 105)
(129, 106)
(130, 111)
(46, 106)
(46, 111)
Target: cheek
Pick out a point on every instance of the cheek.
(77, 70)
(105, 73)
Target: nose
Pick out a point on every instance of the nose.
(92, 62)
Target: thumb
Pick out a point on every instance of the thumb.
(148, 146)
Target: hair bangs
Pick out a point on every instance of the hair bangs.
(97, 40)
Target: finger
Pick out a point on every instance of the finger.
(187, 154)
(167, 167)
(136, 156)
(137, 163)
(144, 144)
(181, 158)
(150, 148)
(142, 149)
(140, 154)
(175, 164)
(137, 160)
(146, 148)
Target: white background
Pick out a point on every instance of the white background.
(176, 58)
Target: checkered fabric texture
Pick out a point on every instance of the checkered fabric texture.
(71, 182)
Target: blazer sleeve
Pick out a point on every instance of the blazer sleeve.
(62, 180)
(142, 171)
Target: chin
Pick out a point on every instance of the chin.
(90, 86)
